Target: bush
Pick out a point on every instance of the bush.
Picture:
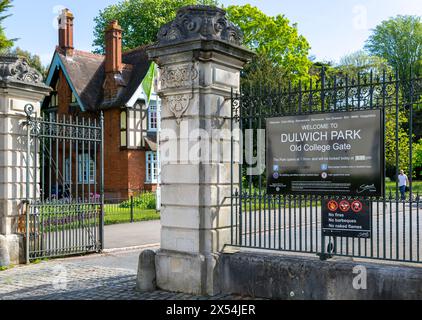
(144, 201)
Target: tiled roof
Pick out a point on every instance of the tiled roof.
(87, 74)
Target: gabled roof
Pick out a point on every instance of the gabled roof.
(85, 73)
(137, 60)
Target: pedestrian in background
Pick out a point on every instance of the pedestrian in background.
(403, 183)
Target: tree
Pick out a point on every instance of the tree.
(390, 142)
(282, 53)
(399, 41)
(361, 62)
(140, 20)
(33, 59)
(5, 43)
(417, 157)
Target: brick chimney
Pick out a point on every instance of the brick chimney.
(66, 32)
(113, 60)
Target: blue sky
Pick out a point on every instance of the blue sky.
(333, 27)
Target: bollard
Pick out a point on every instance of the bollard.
(146, 279)
(4, 252)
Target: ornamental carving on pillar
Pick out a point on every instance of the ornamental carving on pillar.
(200, 22)
(178, 76)
(178, 104)
(14, 68)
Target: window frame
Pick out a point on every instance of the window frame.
(151, 167)
(82, 177)
(123, 128)
(152, 105)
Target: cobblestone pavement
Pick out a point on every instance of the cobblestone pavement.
(88, 278)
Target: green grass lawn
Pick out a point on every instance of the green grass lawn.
(113, 214)
(416, 187)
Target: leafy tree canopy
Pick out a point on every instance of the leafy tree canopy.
(399, 41)
(5, 43)
(282, 53)
(140, 20)
(362, 62)
(33, 59)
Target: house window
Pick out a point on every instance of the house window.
(152, 118)
(123, 129)
(86, 169)
(151, 167)
(54, 100)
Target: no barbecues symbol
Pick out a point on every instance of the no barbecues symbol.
(344, 205)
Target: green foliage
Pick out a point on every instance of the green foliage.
(398, 40)
(146, 200)
(417, 154)
(140, 20)
(390, 141)
(5, 43)
(361, 62)
(33, 59)
(282, 53)
(261, 71)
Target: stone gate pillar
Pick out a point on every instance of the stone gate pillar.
(19, 85)
(200, 57)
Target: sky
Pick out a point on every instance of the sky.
(333, 28)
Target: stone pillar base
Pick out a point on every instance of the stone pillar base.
(187, 273)
(11, 250)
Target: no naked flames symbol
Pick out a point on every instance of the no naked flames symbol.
(357, 206)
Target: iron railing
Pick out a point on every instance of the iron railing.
(131, 209)
(293, 222)
(64, 205)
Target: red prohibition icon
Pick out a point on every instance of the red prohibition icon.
(357, 206)
(332, 205)
(344, 205)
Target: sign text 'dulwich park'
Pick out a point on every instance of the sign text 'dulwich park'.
(338, 153)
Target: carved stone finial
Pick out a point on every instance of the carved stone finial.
(17, 69)
(200, 22)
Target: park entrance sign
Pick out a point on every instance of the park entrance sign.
(335, 154)
(327, 147)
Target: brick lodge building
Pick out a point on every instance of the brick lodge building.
(85, 84)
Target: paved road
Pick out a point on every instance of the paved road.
(93, 277)
(132, 234)
(396, 232)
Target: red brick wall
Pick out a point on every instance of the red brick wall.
(115, 159)
(136, 167)
(64, 94)
(124, 169)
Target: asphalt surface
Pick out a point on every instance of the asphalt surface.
(132, 234)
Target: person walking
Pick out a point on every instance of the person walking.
(403, 183)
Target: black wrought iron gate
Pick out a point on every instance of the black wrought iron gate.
(292, 222)
(64, 208)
